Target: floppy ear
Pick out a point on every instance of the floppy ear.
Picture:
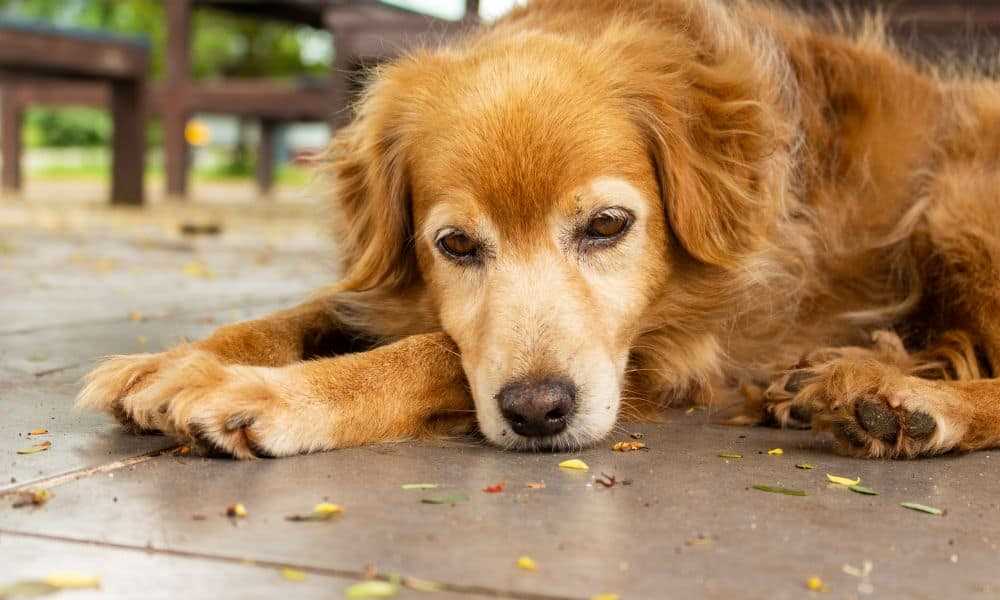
(372, 209)
(719, 143)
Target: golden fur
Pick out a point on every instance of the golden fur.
(817, 225)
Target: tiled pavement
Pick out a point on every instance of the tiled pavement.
(150, 523)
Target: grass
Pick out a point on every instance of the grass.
(291, 175)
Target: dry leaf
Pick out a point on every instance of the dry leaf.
(575, 464)
(733, 455)
(198, 269)
(536, 485)
(73, 581)
(628, 446)
(605, 597)
(449, 499)
(495, 488)
(843, 480)
(419, 486)
(861, 489)
(527, 563)
(922, 508)
(32, 498)
(36, 448)
(236, 510)
(775, 452)
(293, 574)
(806, 466)
(775, 489)
(371, 589)
(324, 511)
(39, 431)
(135, 316)
(815, 584)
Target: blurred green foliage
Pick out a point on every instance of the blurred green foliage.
(223, 45)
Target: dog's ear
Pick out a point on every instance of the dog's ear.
(718, 143)
(371, 195)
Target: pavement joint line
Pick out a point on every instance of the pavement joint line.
(277, 565)
(54, 370)
(77, 474)
(164, 317)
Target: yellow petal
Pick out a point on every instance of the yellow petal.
(293, 574)
(776, 452)
(236, 510)
(325, 508)
(372, 589)
(39, 431)
(843, 480)
(574, 463)
(815, 584)
(605, 597)
(70, 580)
(527, 563)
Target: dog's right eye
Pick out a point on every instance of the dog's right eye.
(458, 246)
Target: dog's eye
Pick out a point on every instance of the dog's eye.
(608, 225)
(458, 246)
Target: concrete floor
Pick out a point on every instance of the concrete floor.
(150, 523)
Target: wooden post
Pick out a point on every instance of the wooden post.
(11, 118)
(266, 155)
(175, 100)
(128, 144)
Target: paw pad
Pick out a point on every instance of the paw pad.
(878, 420)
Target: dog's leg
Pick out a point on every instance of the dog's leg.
(246, 389)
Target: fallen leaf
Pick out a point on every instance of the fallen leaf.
(815, 584)
(293, 574)
(324, 511)
(421, 585)
(527, 563)
(419, 486)
(36, 448)
(843, 480)
(536, 485)
(32, 498)
(371, 589)
(775, 452)
(700, 540)
(628, 446)
(575, 464)
(39, 431)
(606, 480)
(730, 455)
(922, 508)
(774, 489)
(863, 490)
(448, 499)
(135, 316)
(198, 269)
(495, 488)
(27, 589)
(605, 597)
(72, 581)
(236, 510)
(806, 466)
(35, 358)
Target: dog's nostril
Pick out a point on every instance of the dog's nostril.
(537, 407)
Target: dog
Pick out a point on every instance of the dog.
(590, 210)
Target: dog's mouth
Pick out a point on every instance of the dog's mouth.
(575, 437)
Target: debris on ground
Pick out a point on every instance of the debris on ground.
(699, 540)
(637, 435)
(237, 511)
(135, 316)
(815, 584)
(182, 451)
(922, 508)
(324, 511)
(574, 464)
(38, 431)
(293, 574)
(775, 452)
(32, 498)
(197, 269)
(421, 585)
(776, 489)
(629, 446)
(36, 448)
(536, 485)
(527, 563)
(447, 499)
(419, 486)
(843, 480)
(496, 488)
(862, 489)
(805, 466)
(733, 455)
(371, 589)
(608, 481)
(32, 588)
(605, 597)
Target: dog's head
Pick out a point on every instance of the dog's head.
(542, 197)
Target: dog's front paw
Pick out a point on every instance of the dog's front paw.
(235, 410)
(874, 410)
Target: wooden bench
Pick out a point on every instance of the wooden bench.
(43, 53)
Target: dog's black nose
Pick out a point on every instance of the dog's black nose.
(537, 407)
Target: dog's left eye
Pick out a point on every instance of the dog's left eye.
(608, 225)
(458, 246)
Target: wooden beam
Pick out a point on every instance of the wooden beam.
(53, 53)
(128, 143)
(11, 120)
(266, 155)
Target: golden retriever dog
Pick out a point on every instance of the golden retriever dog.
(589, 210)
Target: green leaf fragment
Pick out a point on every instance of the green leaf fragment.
(774, 489)
(730, 455)
(806, 466)
(861, 489)
(36, 448)
(419, 486)
(371, 589)
(922, 508)
(27, 589)
(448, 499)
